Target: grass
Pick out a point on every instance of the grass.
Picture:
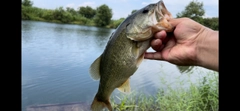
(201, 96)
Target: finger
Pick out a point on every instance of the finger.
(167, 38)
(156, 44)
(170, 43)
(153, 55)
(161, 35)
(168, 47)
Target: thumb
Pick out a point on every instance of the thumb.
(175, 21)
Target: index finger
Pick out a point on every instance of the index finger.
(161, 35)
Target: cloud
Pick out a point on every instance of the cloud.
(116, 1)
(176, 6)
(122, 8)
(71, 5)
(145, 3)
(91, 4)
(152, 1)
(184, 2)
(211, 2)
(120, 14)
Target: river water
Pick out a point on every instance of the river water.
(56, 59)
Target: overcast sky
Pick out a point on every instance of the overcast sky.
(122, 8)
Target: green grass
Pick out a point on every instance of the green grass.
(201, 96)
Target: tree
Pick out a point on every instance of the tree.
(27, 3)
(118, 22)
(103, 15)
(48, 14)
(193, 10)
(133, 11)
(62, 15)
(58, 13)
(71, 10)
(87, 12)
(211, 23)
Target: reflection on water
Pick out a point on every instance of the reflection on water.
(185, 69)
(102, 35)
(56, 59)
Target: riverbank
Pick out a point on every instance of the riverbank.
(197, 97)
(203, 97)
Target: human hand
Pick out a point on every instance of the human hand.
(181, 46)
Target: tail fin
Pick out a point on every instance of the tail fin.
(100, 105)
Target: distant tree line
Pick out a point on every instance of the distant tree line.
(101, 16)
(195, 11)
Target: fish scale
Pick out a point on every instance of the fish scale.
(125, 50)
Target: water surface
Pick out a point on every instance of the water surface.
(56, 59)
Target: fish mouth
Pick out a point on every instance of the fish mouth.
(156, 20)
(157, 12)
(161, 11)
(160, 18)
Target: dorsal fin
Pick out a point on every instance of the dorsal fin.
(95, 69)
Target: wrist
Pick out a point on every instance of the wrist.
(207, 49)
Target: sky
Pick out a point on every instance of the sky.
(123, 8)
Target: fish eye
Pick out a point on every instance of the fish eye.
(145, 11)
(127, 24)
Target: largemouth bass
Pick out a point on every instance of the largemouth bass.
(125, 51)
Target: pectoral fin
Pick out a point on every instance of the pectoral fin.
(136, 50)
(140, 59)
(125, 87)
(95, 69)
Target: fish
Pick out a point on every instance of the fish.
(125, 50)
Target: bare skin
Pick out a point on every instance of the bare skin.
(190, 44)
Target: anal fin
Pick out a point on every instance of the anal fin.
(95, 69)
(125, 87)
